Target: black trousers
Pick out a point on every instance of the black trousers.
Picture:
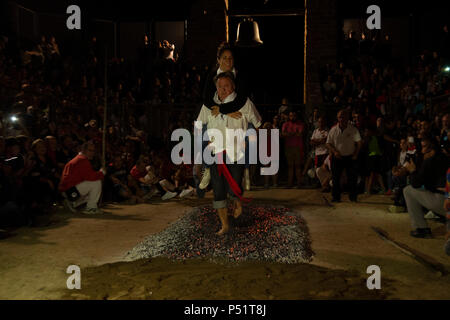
(337, 167)
(220, 185)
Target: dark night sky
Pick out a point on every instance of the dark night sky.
(107, 9)
(180, 8)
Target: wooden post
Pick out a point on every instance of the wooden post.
(105, 111)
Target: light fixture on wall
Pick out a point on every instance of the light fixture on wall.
(248, 34)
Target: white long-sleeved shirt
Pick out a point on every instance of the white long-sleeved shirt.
(237, 127)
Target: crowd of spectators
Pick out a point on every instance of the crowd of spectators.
(393, 105)
(53, 103)
(396, 137)
(401, 112)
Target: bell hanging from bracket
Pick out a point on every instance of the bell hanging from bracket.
(248, 34)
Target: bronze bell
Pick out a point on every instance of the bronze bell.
(248, 34)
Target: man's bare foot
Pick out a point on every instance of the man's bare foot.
(223, 231)
(223, 216)
(237, 210)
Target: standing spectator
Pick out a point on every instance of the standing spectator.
(313, 120)
(276, 122)
(284, 105)
(292, 131)
(329, 87)
(78, 174)
(319, 142)
(390, 143)
(344, 143)
(374, 160)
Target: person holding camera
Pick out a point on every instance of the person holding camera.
(15, 126)
(447, 209)
(426, 191)
(399, 177)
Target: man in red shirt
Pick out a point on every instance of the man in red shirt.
(292, 132)
(78, 173)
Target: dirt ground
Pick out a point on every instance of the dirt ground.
(33, 262)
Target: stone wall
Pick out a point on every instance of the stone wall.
(206, 30)
(321, 45)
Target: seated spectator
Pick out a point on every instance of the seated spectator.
(79, 177)
(399, 177)
(12, 209)
(25, 144)
(118, 179)
(42, 181)
(65, 153)
(426, 189)
(52, 149)
(184, 180)
(16, 127)
(13, 158)
(164, 170)
(420, 106)
(146, 181)
(137, 175)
